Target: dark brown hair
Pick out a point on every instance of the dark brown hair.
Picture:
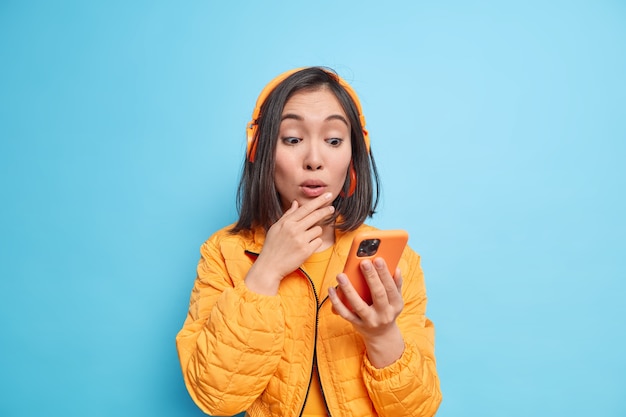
(258, 201)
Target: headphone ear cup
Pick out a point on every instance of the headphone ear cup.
(352, 187)
(251, 132)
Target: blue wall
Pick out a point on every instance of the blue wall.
(498, 127)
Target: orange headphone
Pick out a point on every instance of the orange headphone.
(252, 128)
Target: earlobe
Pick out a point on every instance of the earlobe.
(352, 187)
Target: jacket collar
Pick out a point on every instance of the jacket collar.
(341, 248)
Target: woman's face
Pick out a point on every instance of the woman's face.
(314, 149)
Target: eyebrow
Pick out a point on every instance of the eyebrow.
(300, 118)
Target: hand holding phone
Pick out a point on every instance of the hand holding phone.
(386, 244)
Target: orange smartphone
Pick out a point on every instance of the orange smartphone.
(386, 244)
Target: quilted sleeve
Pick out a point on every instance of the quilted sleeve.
(231, 342)
(409, 386)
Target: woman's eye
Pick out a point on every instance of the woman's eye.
(334, 141)
(291, 140)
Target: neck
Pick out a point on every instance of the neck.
(328, 237)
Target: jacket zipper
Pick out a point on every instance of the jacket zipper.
(315, 356)
(317, 321)
(317, 310)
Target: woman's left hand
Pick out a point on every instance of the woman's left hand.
(377, 322)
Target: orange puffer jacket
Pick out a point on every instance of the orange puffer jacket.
(244, 351)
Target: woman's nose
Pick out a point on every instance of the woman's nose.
(313, 158)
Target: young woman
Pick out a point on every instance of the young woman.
(266, 332)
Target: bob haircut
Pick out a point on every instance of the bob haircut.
(258, 201)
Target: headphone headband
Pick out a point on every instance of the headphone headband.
(252, 128)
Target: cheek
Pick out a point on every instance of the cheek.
(282, 165)
(343, 163)
(283, 170)
(341, 166)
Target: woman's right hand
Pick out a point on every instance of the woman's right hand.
(288, 243)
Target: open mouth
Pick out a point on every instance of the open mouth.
(313, 189)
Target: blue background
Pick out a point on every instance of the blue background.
(499, 129)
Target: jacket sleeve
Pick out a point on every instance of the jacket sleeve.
(232, 339)
(409, 386)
